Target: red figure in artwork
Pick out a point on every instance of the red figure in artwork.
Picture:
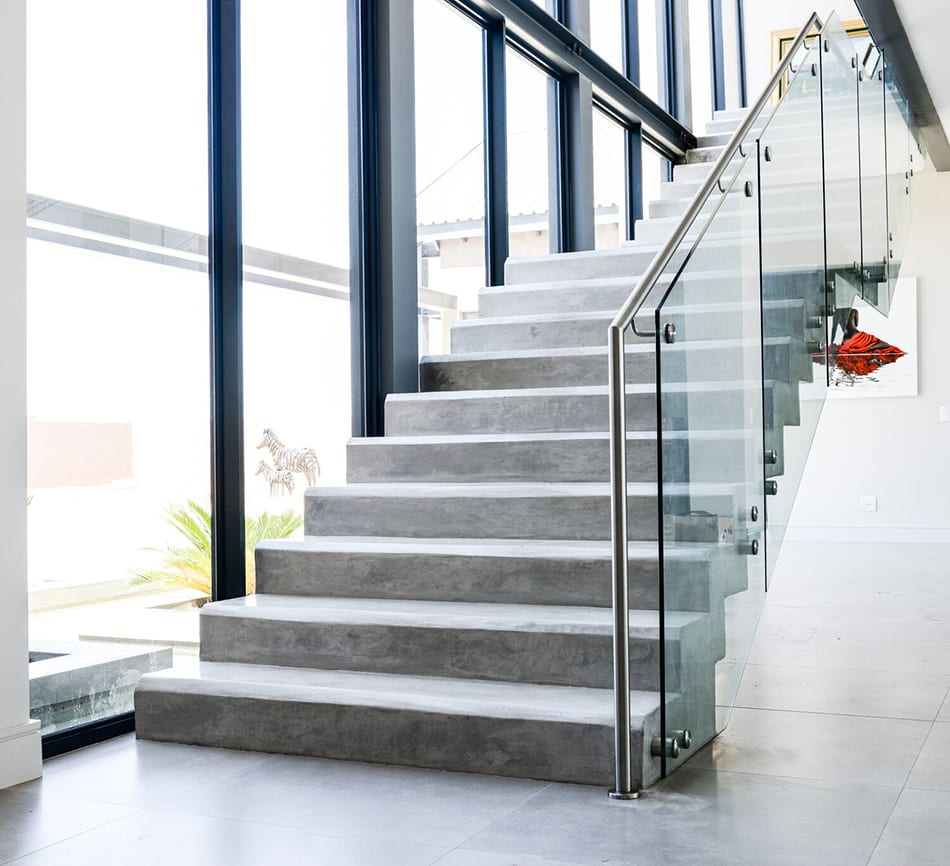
(861, 353)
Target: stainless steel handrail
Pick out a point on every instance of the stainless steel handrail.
(624, 788)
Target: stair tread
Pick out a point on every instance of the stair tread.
(510, 438)
(447, 695)
(456, 615)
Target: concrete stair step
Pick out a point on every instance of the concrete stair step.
(544, 644)
(783, 318)
(571, 511)
(714, 360)
(552, 410)
(536, 457)
(496, 457)
(508, 729)
(482, 570)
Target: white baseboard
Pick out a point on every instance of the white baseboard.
(868, 534)
(21, 754)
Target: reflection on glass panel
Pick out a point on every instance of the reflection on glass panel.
(117, 342)
(450, 174)
(606, 31)
(296, 301)
(529, 220)
(609, 182)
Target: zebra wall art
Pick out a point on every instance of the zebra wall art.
(277, 478)
(291, 459)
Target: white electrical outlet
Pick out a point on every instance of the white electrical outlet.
(945, 414)
(868, 503)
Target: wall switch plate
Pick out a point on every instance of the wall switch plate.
(868, 503)
(945, 414)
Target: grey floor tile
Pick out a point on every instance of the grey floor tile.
(848, 692)
(932, 769)
(850, 652)
(851, 749)
(918, 833)
(698, 817)
(343, 798)
(155, 838)
(137, 773)
(928, 623)
(30, 820)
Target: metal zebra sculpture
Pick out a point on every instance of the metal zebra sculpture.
(277, 478)
(292, 459)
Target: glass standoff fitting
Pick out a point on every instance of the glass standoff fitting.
(748, 189)
(771, 488)
(814, 347)
(665, 747)
(813, 322)
(669, 332)
(768, 153)
(684, 738)
(771, 456)
(750, 547)
(754, 513)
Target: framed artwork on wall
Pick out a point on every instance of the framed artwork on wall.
(873, 355)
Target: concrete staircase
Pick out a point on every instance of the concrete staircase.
(450, 606)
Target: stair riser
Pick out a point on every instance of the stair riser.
(545, 413)
(559, 751)
(567, 580)
(571, 517)
(718, 364)
(566, 659)
(566, 460)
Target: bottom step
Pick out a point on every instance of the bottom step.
(555, 733)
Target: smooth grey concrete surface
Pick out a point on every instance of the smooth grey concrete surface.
(154, 803)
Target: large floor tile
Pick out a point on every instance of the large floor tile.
(849, 749)
(845, 692)
(850, 652)
(30, 820)
(698, 817)
(137, 773)
(918, 833)
(371, 800)
(461, 857)
(154, 838)
(932, 769)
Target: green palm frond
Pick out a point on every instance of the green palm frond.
(189, 566)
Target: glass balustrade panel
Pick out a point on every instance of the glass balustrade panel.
(839, 79)
(793, 289)
(708, 375)
(874, 248)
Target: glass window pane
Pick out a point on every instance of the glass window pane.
(606, 31)
(609, 182)
(529, 187)
(450, 174)
(117, 333)
(296, 234)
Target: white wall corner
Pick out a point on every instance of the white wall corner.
(21, 754)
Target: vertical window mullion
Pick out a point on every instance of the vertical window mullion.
(225, 266)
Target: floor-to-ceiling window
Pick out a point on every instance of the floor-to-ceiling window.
(118, 385)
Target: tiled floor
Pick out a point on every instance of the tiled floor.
(838, 753)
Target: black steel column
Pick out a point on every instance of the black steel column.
(740, 47)
(383, 276)
(496, 153)
(717, 56)
(633, 138)
(572, 145)
(228, 579)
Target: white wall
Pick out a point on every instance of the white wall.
(896, 449)
(19, 738)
